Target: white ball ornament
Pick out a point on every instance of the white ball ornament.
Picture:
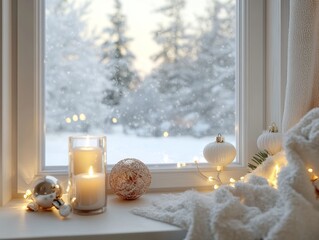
(219, 153)
(270, 140)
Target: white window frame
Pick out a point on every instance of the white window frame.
(7, 103)
(251, 99)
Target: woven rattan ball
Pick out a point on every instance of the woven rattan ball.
(130, 178)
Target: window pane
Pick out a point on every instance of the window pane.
(156, 77)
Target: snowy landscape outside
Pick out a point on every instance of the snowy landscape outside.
(156, 77)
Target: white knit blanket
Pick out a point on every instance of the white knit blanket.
(253, 209)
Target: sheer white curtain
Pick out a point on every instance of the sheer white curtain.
(302, 91)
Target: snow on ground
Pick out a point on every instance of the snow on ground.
(150, 150)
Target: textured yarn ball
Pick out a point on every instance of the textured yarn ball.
(130, 178)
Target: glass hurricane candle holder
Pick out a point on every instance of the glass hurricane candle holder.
(87, 174)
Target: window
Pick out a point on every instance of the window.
(250, 98)
(160, 89)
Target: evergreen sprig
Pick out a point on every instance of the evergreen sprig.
(258, 159)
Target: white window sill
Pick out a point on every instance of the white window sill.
(116, 223)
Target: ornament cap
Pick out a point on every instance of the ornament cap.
(219, 138)
(273, 128)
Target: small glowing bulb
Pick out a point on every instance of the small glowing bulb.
(75, 118)
(216, 186)
(165, 134)
(310, 170)
(232, 180)
(82, 117)
(219, 168)
(210, 179)
(114, 120)
(27, 194)
(91, 171)
(68, 120)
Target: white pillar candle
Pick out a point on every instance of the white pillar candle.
(90, 191)
(84, 157)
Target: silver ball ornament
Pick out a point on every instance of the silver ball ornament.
(47, 192)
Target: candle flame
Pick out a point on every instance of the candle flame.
(91, 171)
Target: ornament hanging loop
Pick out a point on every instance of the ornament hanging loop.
(219, 138)
(273, 128)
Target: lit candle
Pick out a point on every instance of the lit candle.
(87, 160)
(90, 191)
(84, 157)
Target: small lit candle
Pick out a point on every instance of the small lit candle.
(90, 190)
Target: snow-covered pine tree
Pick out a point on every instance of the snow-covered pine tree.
(214, 91)
(117, 58)
(174, 73)
(173, 41)
(171, 37)
(73, 72)
(142, 110)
